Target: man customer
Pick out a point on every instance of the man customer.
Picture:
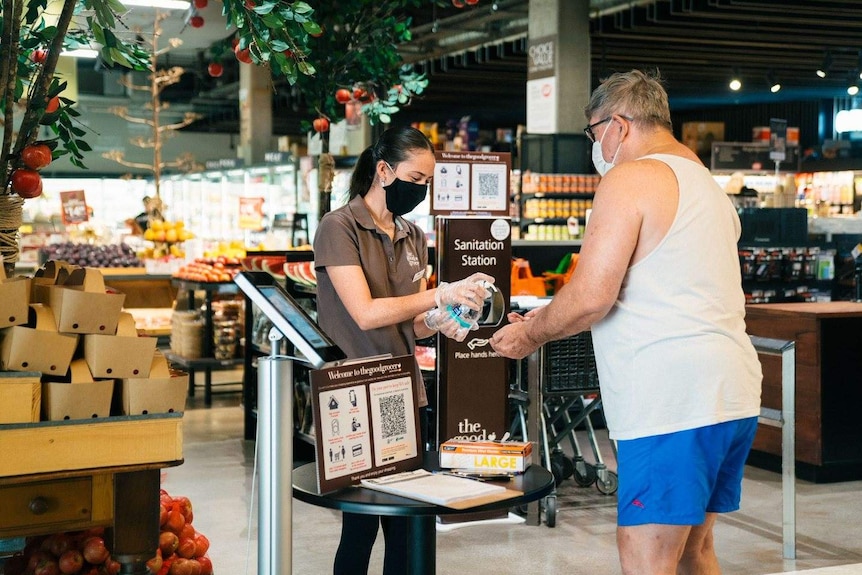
(658, 284)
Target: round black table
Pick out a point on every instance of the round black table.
(536, 482)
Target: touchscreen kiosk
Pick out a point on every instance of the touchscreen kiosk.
(289, 318)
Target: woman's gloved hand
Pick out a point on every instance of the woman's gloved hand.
(470, 291)
(444, 322)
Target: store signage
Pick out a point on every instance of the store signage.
(471, 183)
(472, 379)
(777, 139)
(542, 106)
(277, 157)
(224, 164)
(541, 57)
(73, 207)
(750, 157)
(251, 214)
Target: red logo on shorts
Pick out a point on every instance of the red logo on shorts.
(638, 503)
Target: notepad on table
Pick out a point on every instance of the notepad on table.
(440, 489)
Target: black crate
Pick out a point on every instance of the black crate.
(569, 366)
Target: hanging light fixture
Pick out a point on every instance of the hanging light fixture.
(823, 70)
(735, 81)
(853, 83)
(772, 82)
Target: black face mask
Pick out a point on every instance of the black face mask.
(402, 197)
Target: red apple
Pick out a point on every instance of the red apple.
(196, 21)
(36, 157)
(215, 69)
(342, 95)
(53, 105)
(201, 4)
(26, 183)
(71, 561)
(202, 544)
(168, 543)
(39, 56)
(242, 54)
(94, 550)
(186, 548)
(320, 124)
(206, 565)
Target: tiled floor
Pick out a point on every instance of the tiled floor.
(218, 476)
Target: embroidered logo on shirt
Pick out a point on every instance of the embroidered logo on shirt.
(412, 259)
(638, 503)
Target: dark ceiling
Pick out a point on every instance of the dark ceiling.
(475, 57)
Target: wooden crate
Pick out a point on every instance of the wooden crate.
(20, 396)
(47, 447)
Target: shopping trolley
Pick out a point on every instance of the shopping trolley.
(565, 383)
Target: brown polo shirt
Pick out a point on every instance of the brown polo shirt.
(348, 236)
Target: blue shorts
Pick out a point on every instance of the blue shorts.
(676, 478)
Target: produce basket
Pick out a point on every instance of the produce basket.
(568, 365)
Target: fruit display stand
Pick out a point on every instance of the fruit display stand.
(72, 475)
(208, 362)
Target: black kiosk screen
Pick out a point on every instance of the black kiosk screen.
(295, 318)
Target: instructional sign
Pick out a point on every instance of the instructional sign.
(472, 394)
(471, 183)
(365, 420)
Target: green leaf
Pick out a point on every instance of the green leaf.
(83, 146)
(384, 118)
(312, 28)
(301, 8)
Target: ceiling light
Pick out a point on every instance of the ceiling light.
(772, 82)
(825, 65)
(87, 53)
(735, 82)
(852, 90)
(166, 4)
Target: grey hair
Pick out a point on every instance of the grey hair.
(636, 94)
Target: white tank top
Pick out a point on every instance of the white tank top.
(673, 354)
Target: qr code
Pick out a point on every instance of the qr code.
(489, 185)
(393, 415)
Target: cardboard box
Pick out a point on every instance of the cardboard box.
(122, 355)
(14, 299)
(164, 391)
(52, 272)
(81, 304)
(21, 395)
(77, 396)
(37, 346)
(490, 456)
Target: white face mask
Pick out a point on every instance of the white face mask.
(603, 167)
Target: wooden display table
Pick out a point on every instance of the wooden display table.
(72, 475)
(828, 338)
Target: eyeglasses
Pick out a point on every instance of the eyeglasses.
(589, 129)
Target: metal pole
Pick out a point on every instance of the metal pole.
(788, 449)
(275, 445)
(786, 419)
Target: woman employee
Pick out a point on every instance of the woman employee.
(372, 299)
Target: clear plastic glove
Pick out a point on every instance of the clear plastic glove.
(449, 323)
(470, 291)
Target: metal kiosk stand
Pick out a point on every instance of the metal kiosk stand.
(275, 412)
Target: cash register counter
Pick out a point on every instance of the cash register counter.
(828, 338)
